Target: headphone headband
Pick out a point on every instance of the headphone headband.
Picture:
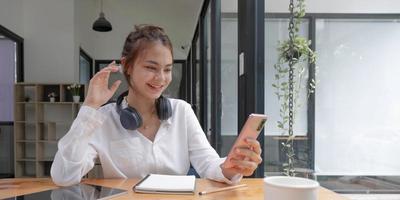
(131, 119)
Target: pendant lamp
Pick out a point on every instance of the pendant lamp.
(101, 24)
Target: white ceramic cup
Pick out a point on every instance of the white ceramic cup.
(290, 188)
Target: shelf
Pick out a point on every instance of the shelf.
(29, 176)
(56, 122)
(39, 124)
(26, 84)
(25, 102)
(44, 167)
(45, 159)
(48, 141)
(25, 168)
(25, 122)
(26, 159)
(25, 140)
(45, 176)
(59, 103)
(25, 112)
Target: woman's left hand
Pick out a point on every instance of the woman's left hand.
(245, 159)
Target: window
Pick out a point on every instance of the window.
(11, 71)
(357, 100)
(173, 89)
(229, 81)
(85, 67)
(7, 78)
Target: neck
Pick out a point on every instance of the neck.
(142, 104)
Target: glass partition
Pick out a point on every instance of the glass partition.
(229, 82)
(357, 103)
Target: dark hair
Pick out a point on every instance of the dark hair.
(143, 36)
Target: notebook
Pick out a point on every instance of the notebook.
(166, 184)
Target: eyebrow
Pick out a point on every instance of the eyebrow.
(156, 63)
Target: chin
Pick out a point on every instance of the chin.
(154, 96)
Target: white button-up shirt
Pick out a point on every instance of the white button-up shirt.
(124, 153)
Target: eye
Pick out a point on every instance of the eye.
(152, 68)
(168, 70)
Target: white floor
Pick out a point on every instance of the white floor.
(372, 196)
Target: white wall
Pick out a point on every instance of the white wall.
(47, 27)
(10, 15)
(327, 6)
(178, 17)
(85, 13)
(53, 30)
(48, 31)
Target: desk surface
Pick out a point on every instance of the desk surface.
(19, 186)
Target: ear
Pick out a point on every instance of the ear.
(125, 67)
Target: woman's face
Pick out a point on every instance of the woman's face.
(151, 73)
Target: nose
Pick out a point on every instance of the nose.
(160, 76)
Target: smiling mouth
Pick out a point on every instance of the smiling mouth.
(157, 87)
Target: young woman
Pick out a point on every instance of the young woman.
(143, 132)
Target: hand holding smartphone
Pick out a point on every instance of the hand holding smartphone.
(251, 129)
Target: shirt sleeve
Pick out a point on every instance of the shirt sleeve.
(203, 157)
(75, 155)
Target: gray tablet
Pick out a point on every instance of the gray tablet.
(75, 192)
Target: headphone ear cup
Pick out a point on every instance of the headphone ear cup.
(164, 108)
(130, 118)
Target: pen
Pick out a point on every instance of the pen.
(222, 189)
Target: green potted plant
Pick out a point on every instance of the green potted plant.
(75, 91)
(294, 57)
(52, 96)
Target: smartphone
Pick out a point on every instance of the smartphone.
(251, 129)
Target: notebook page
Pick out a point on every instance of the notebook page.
(158, 182)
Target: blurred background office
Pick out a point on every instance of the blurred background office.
(224, 52)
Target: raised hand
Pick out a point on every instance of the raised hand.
(98, 92)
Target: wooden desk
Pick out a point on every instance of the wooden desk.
(15, 187)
